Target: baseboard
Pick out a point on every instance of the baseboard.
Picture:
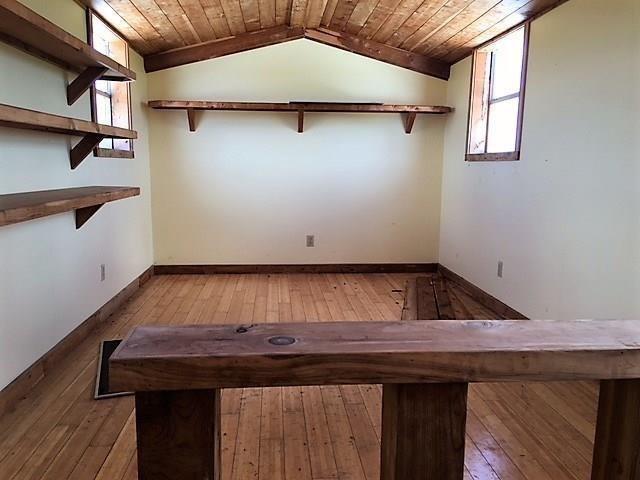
(18, 388)
(482, 297)
(298, 268)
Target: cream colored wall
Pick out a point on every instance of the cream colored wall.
(49, 271)
(565, 219)
(246, 188)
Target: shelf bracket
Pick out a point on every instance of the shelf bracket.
(191, 116)
(85, 213)
(410, 118)
(84, 148)
(83, 82)
(300, 121)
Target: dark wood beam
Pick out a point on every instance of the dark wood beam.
(83, 82)
(378, 51)
(191, 117)
(84, 148)
(409, 121)
(220, 48)
(262, 38)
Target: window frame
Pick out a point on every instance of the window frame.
(99, 151)
(499, 156)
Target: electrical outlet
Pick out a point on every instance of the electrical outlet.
(500, 265)
(311, 240)
(103, 272)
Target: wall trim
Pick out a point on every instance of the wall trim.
(482, 297)
(27, 380)
(298, 268)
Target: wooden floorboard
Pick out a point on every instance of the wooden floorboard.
(514, 431)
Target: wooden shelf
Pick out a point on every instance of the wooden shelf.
(85, 201)
(28, 31)
(92, 133)
(410, 111)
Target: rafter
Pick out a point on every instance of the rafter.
(220, 48)
(262, 38)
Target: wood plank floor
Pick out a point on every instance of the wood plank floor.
(516, 431)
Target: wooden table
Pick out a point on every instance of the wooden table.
(425, 368)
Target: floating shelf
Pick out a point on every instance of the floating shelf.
(92, 133)
(85, 201)
(410, 111)
(28, 31)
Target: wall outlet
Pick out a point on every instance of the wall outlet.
(103, 272)
(311, 240)
(500, 265)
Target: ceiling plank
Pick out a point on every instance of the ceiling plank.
(466, 17)
(181, 23)
(220, 48)
(315, 10)
(381, 52)
(233, 13)
(250, 14)
(401, 13)
(329, 10)
(267, 13)
(156, 17)
(377, 18)
(420, 17)
(214, 12)
(531, 10)
(343, 11)
(359, 16)
(196, 15)
(283, 12)
(490, 18)
(443, 17)
(298, 13)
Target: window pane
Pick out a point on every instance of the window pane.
(103, 109)
(507, 64)
(103, 86)
(503, 126)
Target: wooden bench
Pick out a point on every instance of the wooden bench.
(177, 374)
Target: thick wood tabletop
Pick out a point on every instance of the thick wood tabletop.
(282, 354)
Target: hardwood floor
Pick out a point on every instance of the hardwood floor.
(516, 431)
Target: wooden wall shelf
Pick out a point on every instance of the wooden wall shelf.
(85, 201)
(409, 111)
(28, 31)
(92, 133)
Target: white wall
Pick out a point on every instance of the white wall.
(246, 188)
(49, 272)
(565, 219)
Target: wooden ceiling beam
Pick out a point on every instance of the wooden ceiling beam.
(262, 38)
(379, 51)
(220, 48)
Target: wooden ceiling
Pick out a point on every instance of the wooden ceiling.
(423, 35)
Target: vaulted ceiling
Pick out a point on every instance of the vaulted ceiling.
(423, 35)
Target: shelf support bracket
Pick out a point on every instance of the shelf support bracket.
(84, 148)
(191, 116)
(410, 118)
(83, 82)
(85, 213)
(300, 121)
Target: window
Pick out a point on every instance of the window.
(497, 98)
(110, 101)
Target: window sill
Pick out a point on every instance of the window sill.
(111, 153)
(493, 157)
